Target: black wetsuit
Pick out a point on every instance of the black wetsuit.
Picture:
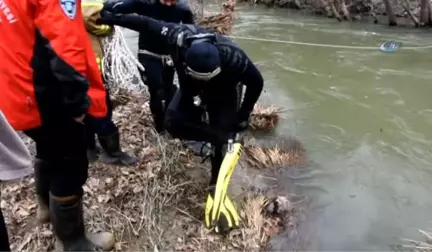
(219, 95)
(153, 50)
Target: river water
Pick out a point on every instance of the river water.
(364, 117)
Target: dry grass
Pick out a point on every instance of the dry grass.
(286, 153)
(265, 118)
(257, 226)
(153, 206)
(223, 21)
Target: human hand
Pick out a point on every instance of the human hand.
(107, 17)
(80, 118)
(242, 122)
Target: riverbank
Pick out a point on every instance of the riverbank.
(158, 204)
(395, 13)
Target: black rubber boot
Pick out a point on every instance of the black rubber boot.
(200, 149)
(92, 150)
(68, 224)
(42, 190)
(158, 124)
(112, 153)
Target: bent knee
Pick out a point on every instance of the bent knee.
(173, 125)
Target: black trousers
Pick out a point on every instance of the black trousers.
(4, 238)
(184, 120)
(62, 146)
(159, 79)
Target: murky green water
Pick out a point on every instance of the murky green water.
(365, 118)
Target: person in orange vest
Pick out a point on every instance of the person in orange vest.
(49, 81)
(107, 132)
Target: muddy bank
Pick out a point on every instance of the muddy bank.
(388, 12)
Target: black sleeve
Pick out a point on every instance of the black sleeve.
(236, 61)
(142, 7)
(143, 24)
(188, 17)
(253, 80)
(167, 31)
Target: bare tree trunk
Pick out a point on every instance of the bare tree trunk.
(327, 8)
(413, 17)
(430, 13)
(424, 12)
(335, 11)
(344, 10)
(390, 13)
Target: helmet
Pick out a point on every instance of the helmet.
(202, 61)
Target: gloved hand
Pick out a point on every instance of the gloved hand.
(107, 17)
(119, 6)
(242, 122)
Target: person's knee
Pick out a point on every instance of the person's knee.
(172, 125)
(69, 179)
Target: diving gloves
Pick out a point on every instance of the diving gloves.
(220, 212)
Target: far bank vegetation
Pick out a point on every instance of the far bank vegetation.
(393, 12)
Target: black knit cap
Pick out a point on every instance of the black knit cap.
(202, 57)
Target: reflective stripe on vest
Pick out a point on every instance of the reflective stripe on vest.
(99, 62)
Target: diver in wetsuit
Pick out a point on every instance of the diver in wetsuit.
(153, 54)
(210, 67)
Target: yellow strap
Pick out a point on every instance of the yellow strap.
(92, 4)
(99, 62)
(103, 30)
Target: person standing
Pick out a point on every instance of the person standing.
(107, 132)
(49, 81)
(153, 54)
(15, 163)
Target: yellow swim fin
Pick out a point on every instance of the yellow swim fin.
(219, 203)
(228, 217)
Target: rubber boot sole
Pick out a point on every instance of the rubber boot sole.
(103, 240)
(123, 159)
(42, 214)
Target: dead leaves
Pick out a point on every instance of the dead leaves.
(140, 204)
(254, 232)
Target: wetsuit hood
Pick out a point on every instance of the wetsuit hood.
(202, 61)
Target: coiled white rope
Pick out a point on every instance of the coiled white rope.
(327, 45)
(120, 67)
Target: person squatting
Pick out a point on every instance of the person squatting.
(209, 68)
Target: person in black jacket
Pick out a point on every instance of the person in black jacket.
(210, 67)
(153, 54)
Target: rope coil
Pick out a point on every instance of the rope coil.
(120, 67)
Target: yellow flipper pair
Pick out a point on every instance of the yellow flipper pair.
(219, 203)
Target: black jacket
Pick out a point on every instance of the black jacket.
(180, 13)
(235, 64)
